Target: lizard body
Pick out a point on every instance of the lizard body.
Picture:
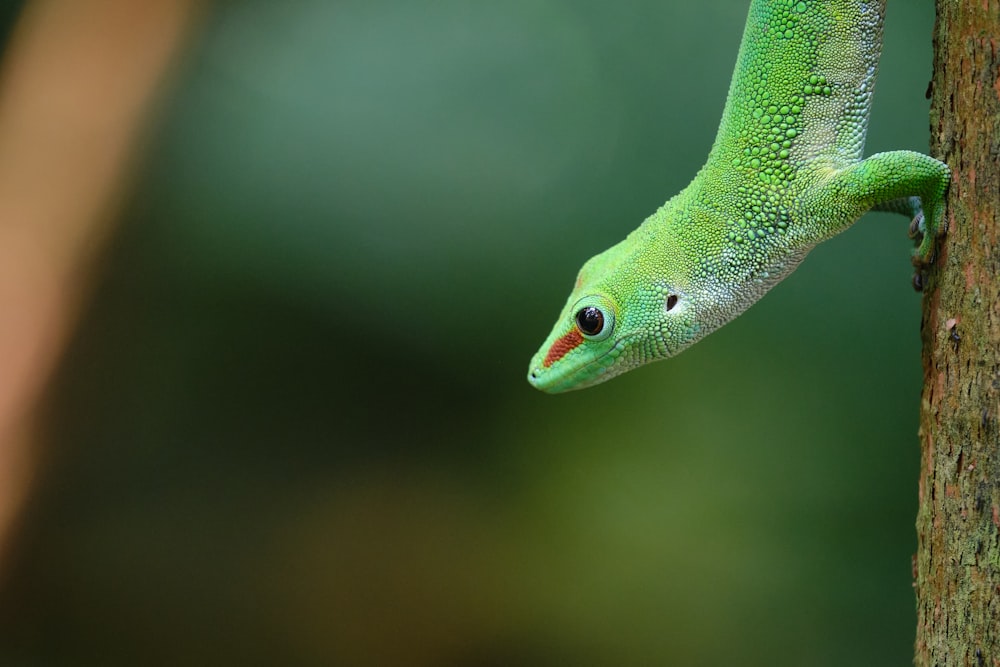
(785, 172)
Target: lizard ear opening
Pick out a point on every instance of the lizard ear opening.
(671, 302)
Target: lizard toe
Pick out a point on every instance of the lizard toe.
(917, 226)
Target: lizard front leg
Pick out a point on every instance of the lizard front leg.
(908, 206)
(898, 181)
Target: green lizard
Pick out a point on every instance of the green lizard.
(785, 172)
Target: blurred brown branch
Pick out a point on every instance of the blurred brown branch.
(76, 86)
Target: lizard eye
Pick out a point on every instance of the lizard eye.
(671, 302)
(593, 323)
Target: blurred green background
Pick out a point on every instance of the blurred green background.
(293, 425)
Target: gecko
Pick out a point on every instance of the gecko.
(785, 172)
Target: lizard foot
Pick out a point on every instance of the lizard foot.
(926, 231)
(926, 242)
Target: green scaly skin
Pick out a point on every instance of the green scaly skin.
(785, 172)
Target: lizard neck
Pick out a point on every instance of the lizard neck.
(803, 78)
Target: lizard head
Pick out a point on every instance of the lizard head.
(618, 317)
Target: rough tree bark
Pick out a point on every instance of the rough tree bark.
(957, 566)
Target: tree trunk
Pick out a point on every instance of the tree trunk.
(957, 566)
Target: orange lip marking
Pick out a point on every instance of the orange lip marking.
(562, 346)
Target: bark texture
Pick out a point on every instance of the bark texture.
(957, 566)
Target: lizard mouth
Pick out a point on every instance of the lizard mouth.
(554, 380)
